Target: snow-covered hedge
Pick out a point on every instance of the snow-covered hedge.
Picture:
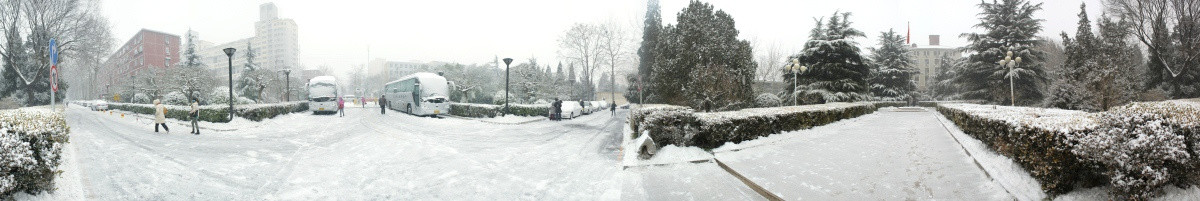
(1036, 138)
(883, 104)
(30, 146)
(474, 110)
(258, 112)
(1144, 146)
(682, 126)
(639, 113)
(489, 111)
(219, 113)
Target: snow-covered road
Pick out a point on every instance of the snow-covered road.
(362, 156)
(887, 155)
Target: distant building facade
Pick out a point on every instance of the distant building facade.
(275, 44)
(145, 50)
(927, 60)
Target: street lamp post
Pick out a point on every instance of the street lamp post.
(507, 61)
(1011, 63)
(287, 85)
(229, 52)
(795, 67)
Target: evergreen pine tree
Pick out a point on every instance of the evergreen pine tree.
(837, 72)
(248, 83)
(652, 29)
(1008, 26)
(701, 63)
(1069, 90)
(892, 73)
(559, 77)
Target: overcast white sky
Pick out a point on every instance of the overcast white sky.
(338, 33)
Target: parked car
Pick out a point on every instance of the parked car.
(98, 105)
(588, 107)
(571, 109)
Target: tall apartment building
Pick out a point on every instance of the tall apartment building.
(147, 49)
(275, 44)
(927, 60)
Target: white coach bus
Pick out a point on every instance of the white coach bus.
(322, 94)
(420, 94)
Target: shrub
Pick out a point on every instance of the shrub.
(141, 98)
(767, 100)
(30, 147)
(176, 98)
(1143, 146)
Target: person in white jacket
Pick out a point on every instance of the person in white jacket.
(160, 116)
(195, 115)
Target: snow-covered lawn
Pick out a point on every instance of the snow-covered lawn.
(363, 156)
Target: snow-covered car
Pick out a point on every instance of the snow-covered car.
(588, 107)
(98, 105)
(571, 109)
(601, 105)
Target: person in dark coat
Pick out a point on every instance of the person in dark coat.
(557, 107)
(382, 105)
(613, 107)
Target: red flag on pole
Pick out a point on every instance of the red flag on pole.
(908, 37)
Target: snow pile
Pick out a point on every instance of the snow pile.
(684, 127)
(31, 142)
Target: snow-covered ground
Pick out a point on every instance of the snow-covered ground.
(363, 156)
(887, 155)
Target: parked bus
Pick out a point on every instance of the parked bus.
(322, 94)
(420, 94)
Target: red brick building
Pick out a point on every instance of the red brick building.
(147, 49)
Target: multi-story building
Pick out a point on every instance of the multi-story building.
(275, 44)
(927, 60)
(147, 49)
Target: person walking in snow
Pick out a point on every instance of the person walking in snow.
(160, 116)
(195, 115)
(341, 107)
(382, 104)
(613, 107)
(363, 101)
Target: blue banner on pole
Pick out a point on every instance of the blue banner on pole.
(53, 52)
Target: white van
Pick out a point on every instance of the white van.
(322, 95)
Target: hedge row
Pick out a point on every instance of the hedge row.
(474, 110)
(216, 113)
(489, 111)
(30, 150)
(683, 127)
(1035, 138)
